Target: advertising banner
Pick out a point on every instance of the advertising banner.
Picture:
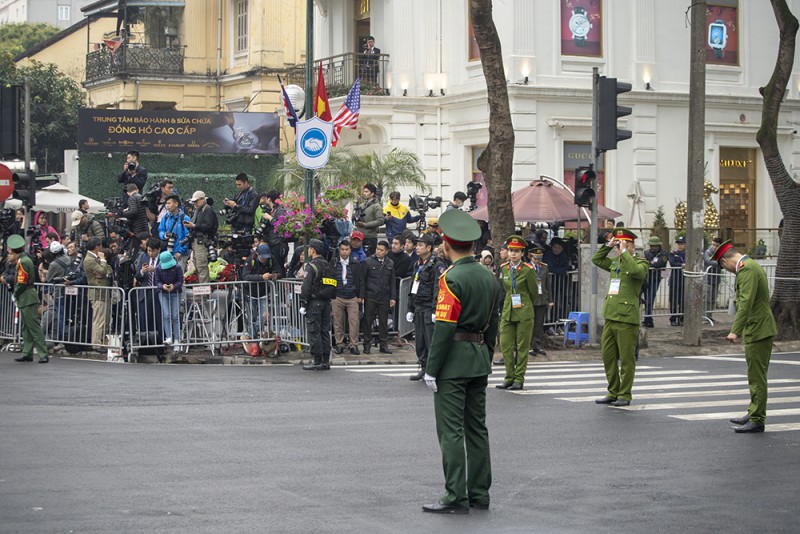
(313, 143)
(581, 28)
(185, 132)
(722, 44)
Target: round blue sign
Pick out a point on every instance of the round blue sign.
(313, 143)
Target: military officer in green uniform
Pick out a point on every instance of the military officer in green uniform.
(621, 314)
(755, 323)
(27, 301)
(516, 322)
(459, 363)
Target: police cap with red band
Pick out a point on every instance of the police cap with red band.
(621, 234)
(721, 250)
(515, 242)
(458, 228)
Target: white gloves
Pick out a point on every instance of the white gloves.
(433, 317)
(410, 317)
(302, 310)
(430, 381)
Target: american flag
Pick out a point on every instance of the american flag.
(291, 115)
(347, 116)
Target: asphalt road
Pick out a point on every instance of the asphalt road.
(101, 447)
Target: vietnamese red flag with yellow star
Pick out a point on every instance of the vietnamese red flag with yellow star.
(321, 107)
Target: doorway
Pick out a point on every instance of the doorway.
(737, 195)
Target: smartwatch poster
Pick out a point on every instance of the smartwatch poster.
(581, 28)
(722, 33)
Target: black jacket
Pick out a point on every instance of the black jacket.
(377, 280)
(309, 280)
(136, 214)
(427, 275)
(352, 288)
(402, 264)
(253, 271)
(206, 222)
(139, 177)
(246, 204)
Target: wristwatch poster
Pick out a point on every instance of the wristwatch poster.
(718, 38)
(579, 25)
(581, 28)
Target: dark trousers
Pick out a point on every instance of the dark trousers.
(371, 309)
(423, 334)
(279, 254)
(676, 296)
(539, 314)
(318, 322)
(650, 292)
(460, 408)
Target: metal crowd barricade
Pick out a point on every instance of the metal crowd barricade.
(216, 316)
(565, 293)
(285, 318)
(83, 318)
(9, 318)
(404, 328)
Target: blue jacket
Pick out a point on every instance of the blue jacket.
(358, 254)
(174, 223)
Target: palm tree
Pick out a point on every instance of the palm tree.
(397, 168)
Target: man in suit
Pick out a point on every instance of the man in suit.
(98, 275)
(369, 61)
(148, 312)
(516, 322)
(543, 302)
(459, 363)
(621, 314)
(755, 323)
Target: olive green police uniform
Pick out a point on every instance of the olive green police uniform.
(516, 322)
(621, 314)
(460, 360)
(28, 303)
(755, 324)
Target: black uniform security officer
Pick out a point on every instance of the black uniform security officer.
(316, 293)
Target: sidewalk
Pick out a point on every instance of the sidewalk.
(662, 341)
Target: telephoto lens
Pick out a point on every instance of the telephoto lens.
(212, 253)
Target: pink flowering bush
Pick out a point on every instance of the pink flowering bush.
(299, 218)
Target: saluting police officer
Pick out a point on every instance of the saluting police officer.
(27, 300)
(621, 313)
(755, 323)
(516, 322)
(459, 363)
(317, 291)
(424, 290)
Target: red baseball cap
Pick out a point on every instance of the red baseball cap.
(357, 235)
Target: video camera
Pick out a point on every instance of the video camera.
(423, 203)
(472, 194)
(7, 218)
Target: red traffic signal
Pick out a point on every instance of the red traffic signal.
(584, 186)
(25, 187)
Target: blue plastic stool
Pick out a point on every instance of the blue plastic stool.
(580, 320)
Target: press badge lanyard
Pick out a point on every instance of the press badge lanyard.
(415, 285)
(613, 288)
(245, 197)
(516, 299)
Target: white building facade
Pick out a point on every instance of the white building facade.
(436, 103)
(61, 13)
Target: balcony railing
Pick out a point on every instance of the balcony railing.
(133, 60)
(340, 73)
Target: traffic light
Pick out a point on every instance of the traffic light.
(584, 186)
(609, 112)
(25, 187)
(10, 119)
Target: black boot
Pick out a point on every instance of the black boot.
(325, 365)
(417, 376)
(313, 366)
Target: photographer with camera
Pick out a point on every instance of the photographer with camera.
(368, 217)
(397, 216)
(132, 172)
(258, 269)
(458, 200)
(202, 234)
(156, 202)
(135, 212)
(240, 212)
(268, 210)
(172, 231)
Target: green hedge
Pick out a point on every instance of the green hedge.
(214, 174)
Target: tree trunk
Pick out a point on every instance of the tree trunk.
(786, 296)
(496, 162)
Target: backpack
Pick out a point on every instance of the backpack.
(324, 281)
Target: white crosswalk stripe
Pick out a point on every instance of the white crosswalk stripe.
(683, 394)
